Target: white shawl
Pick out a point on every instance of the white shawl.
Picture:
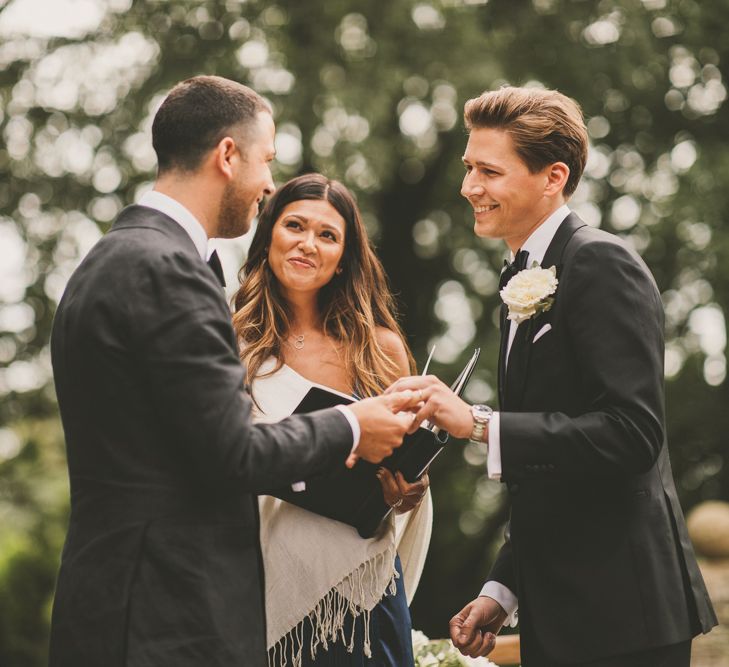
(319, 570)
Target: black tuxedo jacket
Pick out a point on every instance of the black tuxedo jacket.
(161, 565)
(597, 550)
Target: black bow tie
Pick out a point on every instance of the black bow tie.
(512, 268)
(217, 267)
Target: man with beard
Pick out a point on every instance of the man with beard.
(162, 565)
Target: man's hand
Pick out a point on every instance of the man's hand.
(474, 628)
(383, 420)
(399, 494)
(440, 405)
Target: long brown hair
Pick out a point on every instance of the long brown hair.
(352, 304)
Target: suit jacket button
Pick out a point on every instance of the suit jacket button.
(514, 488)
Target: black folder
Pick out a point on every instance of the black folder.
(354, 496)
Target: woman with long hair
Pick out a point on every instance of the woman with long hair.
(314, 309)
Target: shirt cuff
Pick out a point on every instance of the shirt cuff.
(508, 601)
(353, 423)
(493, 460)
(298, 487)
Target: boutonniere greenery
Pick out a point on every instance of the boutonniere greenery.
(530, 292)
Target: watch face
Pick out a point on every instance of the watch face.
(482, 412)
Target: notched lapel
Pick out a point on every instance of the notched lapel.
(513, 376)
(516, 370)
(553, 256)
(504, 329)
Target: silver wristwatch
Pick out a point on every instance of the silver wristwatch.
(481, 417)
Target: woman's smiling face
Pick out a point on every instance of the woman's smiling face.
(307, 244)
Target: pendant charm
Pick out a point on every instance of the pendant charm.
(299, 342)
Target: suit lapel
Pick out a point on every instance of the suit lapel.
(504, 328)
(513, 376)
(517, 366)
(553, 256)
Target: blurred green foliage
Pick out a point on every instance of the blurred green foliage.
(372, 94)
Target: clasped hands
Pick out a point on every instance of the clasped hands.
(436, 404)
(384, 420)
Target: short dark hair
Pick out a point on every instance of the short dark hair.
(196, 115)
(545, 126)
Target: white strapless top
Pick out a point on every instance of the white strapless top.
(278, 395)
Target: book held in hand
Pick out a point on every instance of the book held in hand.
(354, 496)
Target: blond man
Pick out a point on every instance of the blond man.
(596, 561)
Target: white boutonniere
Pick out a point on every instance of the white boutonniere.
(530, 292)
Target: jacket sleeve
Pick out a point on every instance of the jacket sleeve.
(502, 570)
(613, 319)
(185, 345)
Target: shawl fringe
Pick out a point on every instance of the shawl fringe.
(327, 619)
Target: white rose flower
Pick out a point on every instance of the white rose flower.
(419, 640)
(530, 292)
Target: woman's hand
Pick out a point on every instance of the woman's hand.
(400, 495)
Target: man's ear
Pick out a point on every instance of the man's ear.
(226, 156)
(557, 175)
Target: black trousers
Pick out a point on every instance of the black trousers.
(533, 655)
(675, 655)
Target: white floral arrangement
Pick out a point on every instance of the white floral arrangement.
(530, 292)
(442, 653)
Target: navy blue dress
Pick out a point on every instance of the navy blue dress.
(390, 636)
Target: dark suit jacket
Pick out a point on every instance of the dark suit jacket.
(597, 549)
(161, 565)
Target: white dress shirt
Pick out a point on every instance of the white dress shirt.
(183, 217)
(536, 245)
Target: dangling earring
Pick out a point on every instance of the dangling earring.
(339, 270)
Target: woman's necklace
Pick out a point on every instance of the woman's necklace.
(298, 341)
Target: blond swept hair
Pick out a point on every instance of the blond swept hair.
(351, 306)
(545, 127)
